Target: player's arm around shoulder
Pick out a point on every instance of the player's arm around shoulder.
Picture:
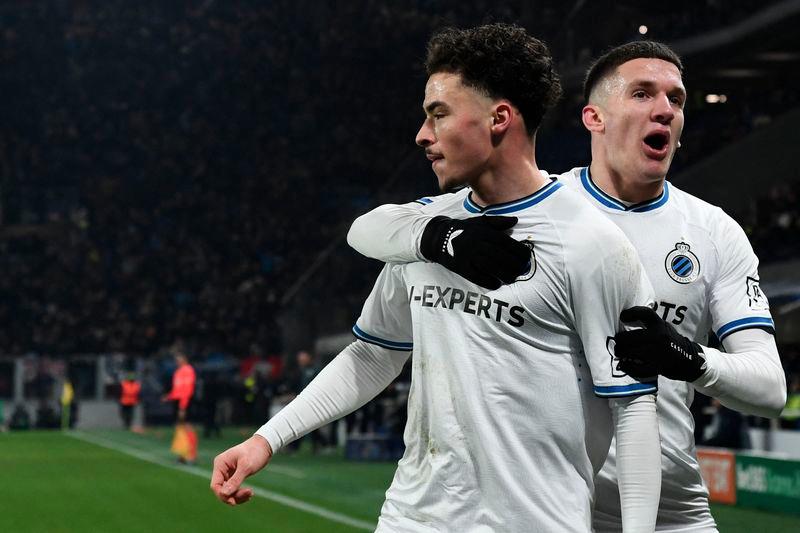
(479, 249)
(391, 232)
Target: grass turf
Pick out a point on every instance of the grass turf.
(57, 483)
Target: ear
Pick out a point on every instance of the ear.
(593, 119)
(502, 117)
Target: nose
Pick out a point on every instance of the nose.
(425, 136)
(663, 112)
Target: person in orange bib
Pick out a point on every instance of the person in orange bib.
(129, 398)
(184, 443)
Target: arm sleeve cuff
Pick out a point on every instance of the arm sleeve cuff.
(631, 389)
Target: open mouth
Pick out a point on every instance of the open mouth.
(657, 141)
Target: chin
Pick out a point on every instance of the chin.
(451, 184)
(655, 170)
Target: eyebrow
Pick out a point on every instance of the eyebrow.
(430, 108)
(649, 85)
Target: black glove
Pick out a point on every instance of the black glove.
(656, 349)
(478, 249)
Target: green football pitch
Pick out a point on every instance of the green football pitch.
(117, 481)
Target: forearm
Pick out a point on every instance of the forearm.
(749, 377)
(390, 233)
(638, 461)
(354, 377)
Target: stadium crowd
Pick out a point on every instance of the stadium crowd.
(169, 172)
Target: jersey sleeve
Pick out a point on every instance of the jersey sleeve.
(391, 233)
(736, 301)
(386, 316)
(606, 277)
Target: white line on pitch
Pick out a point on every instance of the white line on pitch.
(274, 496)
(273, 469)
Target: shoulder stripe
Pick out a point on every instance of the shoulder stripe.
(392, 345)
(762, 322)
(634, 389)
(516, 205)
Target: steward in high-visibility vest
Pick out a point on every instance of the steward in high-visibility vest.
(129, 398)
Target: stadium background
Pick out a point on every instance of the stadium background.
(184, 174)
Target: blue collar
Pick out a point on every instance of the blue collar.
(513, 206)
(613, 203)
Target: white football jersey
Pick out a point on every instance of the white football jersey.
(508, 420)
(705, 277)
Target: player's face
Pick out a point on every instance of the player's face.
(456, 133)
(643, 118)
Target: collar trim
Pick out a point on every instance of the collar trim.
(515, 205)
(613, 203)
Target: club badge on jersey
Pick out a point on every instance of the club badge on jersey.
(681, 264)
(528, 274)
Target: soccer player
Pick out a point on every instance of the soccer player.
(514, 396)
(698, 259)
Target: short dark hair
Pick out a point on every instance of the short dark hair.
(503, 61)
(612, 59)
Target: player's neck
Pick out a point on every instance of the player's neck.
(631, 189)
(508, 182)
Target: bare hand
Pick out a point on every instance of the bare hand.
(232, 466)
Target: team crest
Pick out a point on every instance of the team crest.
(532, 269)
(682, 265)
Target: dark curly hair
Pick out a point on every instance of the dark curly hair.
(502, 61)
(609, 61)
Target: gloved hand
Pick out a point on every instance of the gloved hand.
(478, 249)
(657, 349)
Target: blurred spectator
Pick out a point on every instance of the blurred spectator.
(213, 389)
(46, 416)
(130, 387)
(20, 418)
(772, 223)
(69, 405)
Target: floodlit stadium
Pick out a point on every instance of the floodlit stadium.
(178, 191)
